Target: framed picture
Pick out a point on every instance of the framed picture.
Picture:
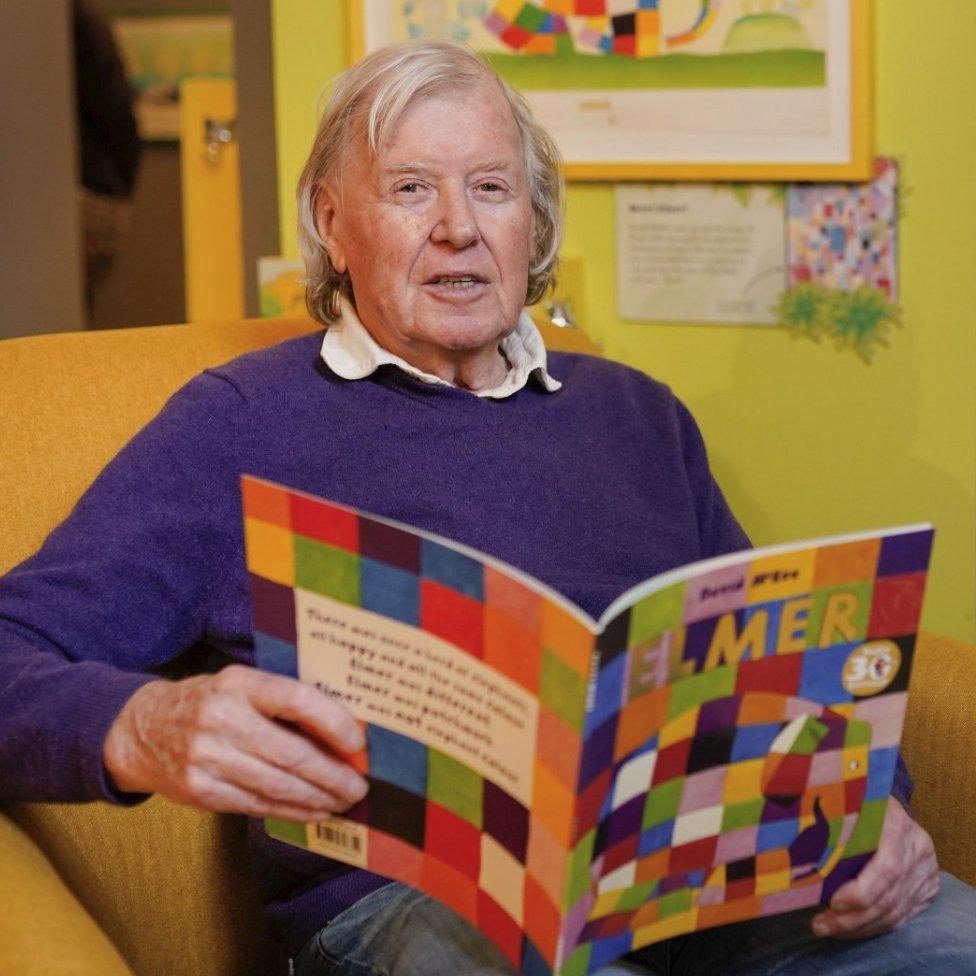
(159, 52)
(669, 89)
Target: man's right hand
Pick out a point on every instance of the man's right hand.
(240, 741)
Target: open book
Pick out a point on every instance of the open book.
(719, 745)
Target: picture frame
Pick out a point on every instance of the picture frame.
(730, 110)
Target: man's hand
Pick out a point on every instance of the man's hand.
(897, 883)
(241, 741)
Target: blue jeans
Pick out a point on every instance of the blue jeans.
(397, 931)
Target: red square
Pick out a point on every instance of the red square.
(672, 761)
(542, 920)
(696, 856)
(453, 840)
(590, 803)
(770, 675)
(854, 794)
(515, 36)
(620, 854)
(499, 926)
(325, 523)
(451, 887)
(789, 776)
(896, 606)
(591, 7)
(743, 888)
(452, 615)
(625, 45)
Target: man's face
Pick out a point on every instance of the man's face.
(436, 229)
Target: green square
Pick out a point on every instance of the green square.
(634, 897)
(656, 614)
(859, 620)
(578, 963)
(289, 831)
(562, 690)
(857, 733)
(530, 18)
(454, 786)
(867, 830)
(662, 802)
(810, 736)
(674, 903)
(700, 688)
(578, 880)
(747, 814)
(327, 570)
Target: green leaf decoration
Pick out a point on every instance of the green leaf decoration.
(802, 311)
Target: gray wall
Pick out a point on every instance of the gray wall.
(40, 251)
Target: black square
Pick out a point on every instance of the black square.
(396, 811)
(710, 749)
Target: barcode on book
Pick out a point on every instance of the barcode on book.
(339, 838)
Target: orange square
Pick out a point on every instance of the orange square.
(831, 799)
(451, 887)
(851, 562)
(760, 709)
(394, 858)
(645, 915)
(733, 911)
(269, 503)
(653, 867)
(519, 602)
(541, 920)
(640, 720)
(567, 637)
(558, 745)
(512, 649)
(545, 859)
(771, 862)
(553, 803)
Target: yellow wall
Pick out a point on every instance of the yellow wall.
(804, 440)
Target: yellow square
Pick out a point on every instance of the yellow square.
(766, 884)
(785, 574)
(502, 877)
(855, 762)
(678, 729)
(270, 551)
(743, 781)
(605, 904)
(509, 9)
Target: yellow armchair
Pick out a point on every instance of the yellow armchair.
(89, 889)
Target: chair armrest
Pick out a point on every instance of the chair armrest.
(939, 744)
(44, 931)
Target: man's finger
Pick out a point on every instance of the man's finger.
(286, 698)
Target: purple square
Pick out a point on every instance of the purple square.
(902, 554)
(718, 714)
(505, 819)
(389, 545)
(274, 609)
(598, 751)
(625, 821)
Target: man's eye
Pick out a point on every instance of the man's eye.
(489, 186)
(409, 188)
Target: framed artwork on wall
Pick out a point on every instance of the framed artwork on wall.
(669, 89)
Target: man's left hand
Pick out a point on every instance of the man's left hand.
(898, 883)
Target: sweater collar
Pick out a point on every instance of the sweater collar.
(352, 353)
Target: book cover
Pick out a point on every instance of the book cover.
(719, 746)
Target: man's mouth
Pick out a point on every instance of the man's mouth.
(456, 281)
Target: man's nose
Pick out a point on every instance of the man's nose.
(455, 221)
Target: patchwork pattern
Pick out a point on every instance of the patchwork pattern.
(729, 756)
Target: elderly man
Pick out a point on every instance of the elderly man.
(430, 213)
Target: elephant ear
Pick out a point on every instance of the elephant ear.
(786, 768)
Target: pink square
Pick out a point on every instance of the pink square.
(704, 789)
(719, 592)
(736, 845)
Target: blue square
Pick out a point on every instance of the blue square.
(608, 950)
(533, 963)
(275, 655)
(753, 741)
(609, 693)
(655, 838)
(820, 678)
(881, 773)
(451, 568)
(777, 834)
(390, 591)
(397, 759)
(597, 752)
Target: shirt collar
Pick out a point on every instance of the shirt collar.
(352, 353)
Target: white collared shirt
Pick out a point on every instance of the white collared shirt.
(352, 353)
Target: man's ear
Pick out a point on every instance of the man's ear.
(328, 222)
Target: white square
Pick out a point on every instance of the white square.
(634, 778)
(622, 877)
(694, 826)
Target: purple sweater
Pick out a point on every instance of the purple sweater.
(591, 489)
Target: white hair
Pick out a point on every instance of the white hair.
(372, 96)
